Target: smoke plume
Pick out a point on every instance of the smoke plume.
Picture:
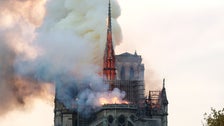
(18, 20)
(55, 42)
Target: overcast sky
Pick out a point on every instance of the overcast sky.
(181, 40)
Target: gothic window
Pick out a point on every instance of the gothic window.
(121, 120)
(132, 73)
(122, 75)
(110, 120)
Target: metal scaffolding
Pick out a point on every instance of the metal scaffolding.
(134, 89)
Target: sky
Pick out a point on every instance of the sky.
(179, 40)
(182, 41)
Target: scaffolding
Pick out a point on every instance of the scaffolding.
(134, 89)
(154, 99)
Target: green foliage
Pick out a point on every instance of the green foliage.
(215, 118)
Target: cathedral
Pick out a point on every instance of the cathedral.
(125, 72)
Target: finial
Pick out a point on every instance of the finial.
(163, 82)
(135, 52)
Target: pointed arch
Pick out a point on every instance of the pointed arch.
(131, 73)
(122, 74)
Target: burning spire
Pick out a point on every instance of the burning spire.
(109, 70)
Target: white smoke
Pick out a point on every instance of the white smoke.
(66, 50)
(84, 19)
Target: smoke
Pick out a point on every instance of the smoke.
(152, 80)
(85, 19)
(17, 24)
(57, 42)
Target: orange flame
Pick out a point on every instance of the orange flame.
(113, 100)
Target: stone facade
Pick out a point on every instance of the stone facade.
(129, 67)
(126, 72)
(141, 111)
(130, 71)
(125, 115)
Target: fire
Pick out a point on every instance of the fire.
(112, 100)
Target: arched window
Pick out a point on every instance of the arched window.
(122, 74)
(121, 120)
(110, 119)
(132, 73)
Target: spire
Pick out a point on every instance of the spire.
(164, 97)
(163, 82)
(109, 26)
(109, 70)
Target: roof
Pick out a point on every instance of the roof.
(127, 54)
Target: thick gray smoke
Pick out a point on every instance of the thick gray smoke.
(17, 25)
(65, 48)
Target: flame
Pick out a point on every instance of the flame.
(112, 100)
